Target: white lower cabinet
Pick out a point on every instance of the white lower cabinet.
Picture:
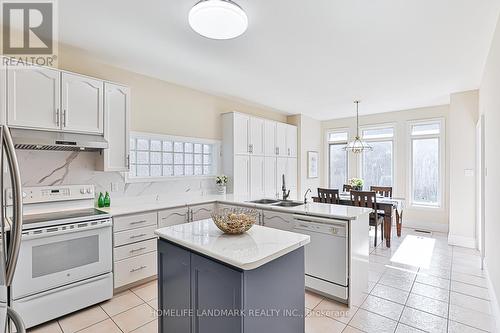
(134, 251)
(201, 212)
(134, 269)
(173, 216)
(280, 221)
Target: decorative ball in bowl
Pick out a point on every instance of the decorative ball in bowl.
(235, 221)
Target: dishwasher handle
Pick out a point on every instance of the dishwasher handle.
(323, 220)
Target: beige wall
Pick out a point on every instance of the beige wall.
(462, 133)
(489, 106)
(309, 139)
(163, 107)
(430, 219)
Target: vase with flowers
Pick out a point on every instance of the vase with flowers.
(221, 183)
(356, 184)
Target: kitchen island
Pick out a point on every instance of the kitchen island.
(212, 282)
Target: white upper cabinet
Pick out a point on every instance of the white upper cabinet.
(82, 104)
(117, 128)
(270, 177)
(257, 190)
(256, 136)
(281, 164)
(241, 175)
(33, 97)
(291, 172)
(291, 141)
(269, 138)
(241, 142)
(3, 94)
(281, 134)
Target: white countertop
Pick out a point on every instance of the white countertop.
(312, 208)
(247, 251)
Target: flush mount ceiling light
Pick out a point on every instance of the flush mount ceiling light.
(357, 145)
(218, 19)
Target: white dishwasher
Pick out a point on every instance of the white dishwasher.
(326, 256)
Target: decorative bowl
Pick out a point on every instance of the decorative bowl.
(235, 221)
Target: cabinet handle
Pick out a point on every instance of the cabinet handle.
(64, 118)
(137, 269)
(137, 250)
(288, 151)
(138, 222)
(277, 150)
(57, 117)
(137, 236)
(250, 148)
(127, 162)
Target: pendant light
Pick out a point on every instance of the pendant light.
(357, 145)
(218, 19)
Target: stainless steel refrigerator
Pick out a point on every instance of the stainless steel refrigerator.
(10, 321)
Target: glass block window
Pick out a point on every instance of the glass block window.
(155, 157)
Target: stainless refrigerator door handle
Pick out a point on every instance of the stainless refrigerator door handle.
(16, 319)
(17, 207)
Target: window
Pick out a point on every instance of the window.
(337, 159)
(377, 166)
(426, 145)
(155, 156)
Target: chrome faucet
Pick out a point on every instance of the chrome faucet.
(286, 193)
(305, 195)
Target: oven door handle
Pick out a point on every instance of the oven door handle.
(17, 206)
(67, 231)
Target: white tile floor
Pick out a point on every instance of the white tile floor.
(420, 284)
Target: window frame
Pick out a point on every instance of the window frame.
(442, 161)
(327, 148)
(392, 139)
(216, 156)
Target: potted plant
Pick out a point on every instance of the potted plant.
(221, 182)
(356, 184)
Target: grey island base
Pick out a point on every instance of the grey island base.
(209, 282)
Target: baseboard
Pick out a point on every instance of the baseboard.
(427, 226)
(495, 306)
(462, 241)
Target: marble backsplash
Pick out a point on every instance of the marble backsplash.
(45, 168)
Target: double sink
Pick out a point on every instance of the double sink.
(280, 203)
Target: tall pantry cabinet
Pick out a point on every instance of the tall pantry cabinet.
(256, 153)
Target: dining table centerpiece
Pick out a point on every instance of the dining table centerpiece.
(356, 184)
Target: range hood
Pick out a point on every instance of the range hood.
(47, 140)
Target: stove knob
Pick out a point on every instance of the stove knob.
(82, 190)
(89, 190)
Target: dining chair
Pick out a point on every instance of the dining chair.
(330, 196)
(346, 188)
(368, 199)
(385, 191)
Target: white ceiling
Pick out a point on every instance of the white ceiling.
(311, 56)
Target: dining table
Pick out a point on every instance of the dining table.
(391, 207)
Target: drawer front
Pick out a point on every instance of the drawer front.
(134, 221)
(135, 249)
(134, 235)
(278, 220)
(134, 269)
(202, 212)
(174, 216)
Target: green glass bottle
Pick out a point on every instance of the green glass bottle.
(107, 200)
(100, 201)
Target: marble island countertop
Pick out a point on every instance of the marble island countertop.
(247, 251)
(312, 208)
